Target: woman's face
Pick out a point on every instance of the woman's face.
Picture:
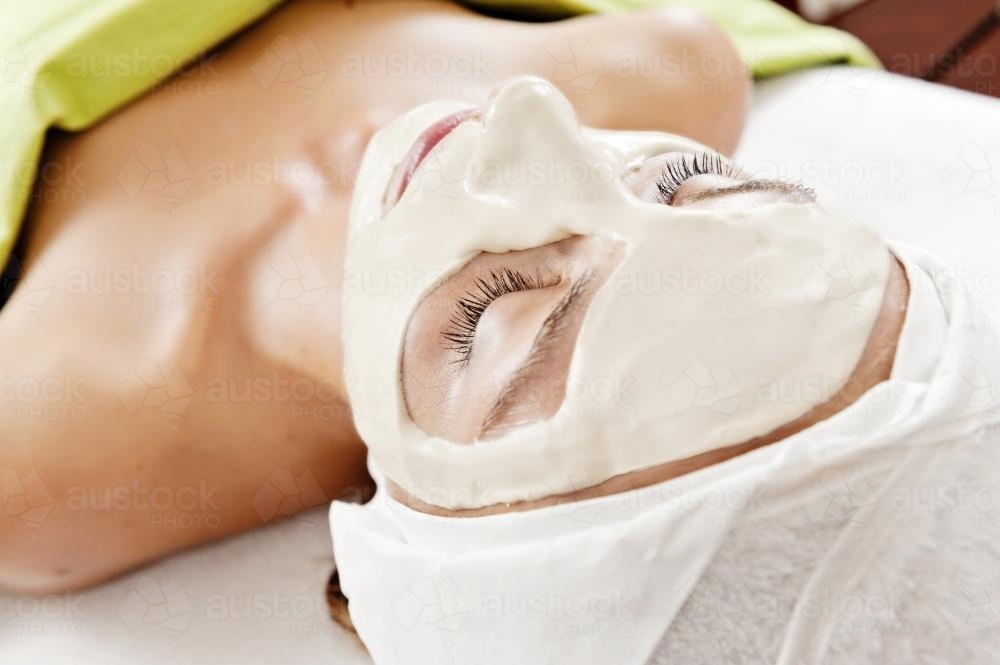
(526, 295)
(503, 327)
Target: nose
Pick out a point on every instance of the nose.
(515, 81)
(530, 99)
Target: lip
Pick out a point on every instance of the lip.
(403, 174)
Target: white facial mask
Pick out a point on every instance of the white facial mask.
(785, 295)
(793, 553)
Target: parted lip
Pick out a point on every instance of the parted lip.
(425, 143)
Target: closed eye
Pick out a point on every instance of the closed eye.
(678, 169)
(508, 403)
(684, 166)
(471, 306)
(489, 348)
(788, 191)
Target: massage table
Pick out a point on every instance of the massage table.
(918, 161)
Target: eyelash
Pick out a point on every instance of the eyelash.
(678, 171)
(469, 308)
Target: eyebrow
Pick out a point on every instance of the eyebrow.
(549, 334)
(791, 191)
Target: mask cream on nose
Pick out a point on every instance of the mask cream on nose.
(715, 327)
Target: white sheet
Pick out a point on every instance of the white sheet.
(939, 155)
(254, 599)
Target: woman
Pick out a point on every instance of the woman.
(617, 393)
(635, 405)
(544, 355)
(187, 346)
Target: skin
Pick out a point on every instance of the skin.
(221, 449)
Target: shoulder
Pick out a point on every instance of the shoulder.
(661, 69)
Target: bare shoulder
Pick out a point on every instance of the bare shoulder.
(662, 69)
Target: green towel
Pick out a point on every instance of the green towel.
(69, 63)
(770, 39)
(46, 47)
